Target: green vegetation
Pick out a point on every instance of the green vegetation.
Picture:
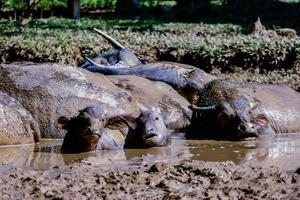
(85, 4)
(203, 45)
(212, 47)
(46, 4)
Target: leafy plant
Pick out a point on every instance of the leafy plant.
(47, 5)
(97, 3)
(207, 46)
(15, 4)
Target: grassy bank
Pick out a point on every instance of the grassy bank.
(203, 45)
(224, 47)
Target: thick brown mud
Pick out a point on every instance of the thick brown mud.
(263, 168)
(182, 180)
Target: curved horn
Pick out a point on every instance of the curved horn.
(117, 45)
(93, 62)
(95, 67)
(204, 108)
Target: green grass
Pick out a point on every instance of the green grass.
(203, 45)
(222, 47)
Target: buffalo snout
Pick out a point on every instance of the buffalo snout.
(246, 130)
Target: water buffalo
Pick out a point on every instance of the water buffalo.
(145, 131)
(91, 129)
(83, 131)
(184, 78)
(188, 80)
(173, 107)
(120, 57)
(49, 91)
(17, 126)
(234, 111)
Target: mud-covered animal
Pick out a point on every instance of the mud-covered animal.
(17, 126)
(184, 78)
(49, 91)
(234, 111)
(188, 80)
(173, 107)
(147, 130)
(90, 129)
(120, 57)
(83, 130)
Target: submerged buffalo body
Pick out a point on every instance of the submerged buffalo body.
(185, 78)
(234, 111)
(17, 126)
(188, 80)
(90, 130)
(173, 107)
(147, 130)
(50, 91)
(83, 131)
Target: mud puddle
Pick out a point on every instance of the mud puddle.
(282, 151)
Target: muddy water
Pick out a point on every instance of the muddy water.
(282, 151)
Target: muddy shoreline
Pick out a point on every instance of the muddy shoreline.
(158, 180)
(175, 172)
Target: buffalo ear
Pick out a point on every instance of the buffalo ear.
(62, 122)
(138, 122)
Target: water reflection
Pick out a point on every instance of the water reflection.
(282, 151)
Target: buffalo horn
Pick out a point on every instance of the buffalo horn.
(204, 108)
(93, 62)
(117, 45)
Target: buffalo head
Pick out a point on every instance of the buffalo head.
(152, 129)
(83, 131)
(223, 121)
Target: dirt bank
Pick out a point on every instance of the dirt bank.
(183, 179)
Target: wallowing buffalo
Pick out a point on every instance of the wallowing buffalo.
(184, 78)
(17, 126)
(172, 106)
(188, 80)
(147, 130)
(235, 111)
(90, 129)
(49, 91)
(83, 131)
